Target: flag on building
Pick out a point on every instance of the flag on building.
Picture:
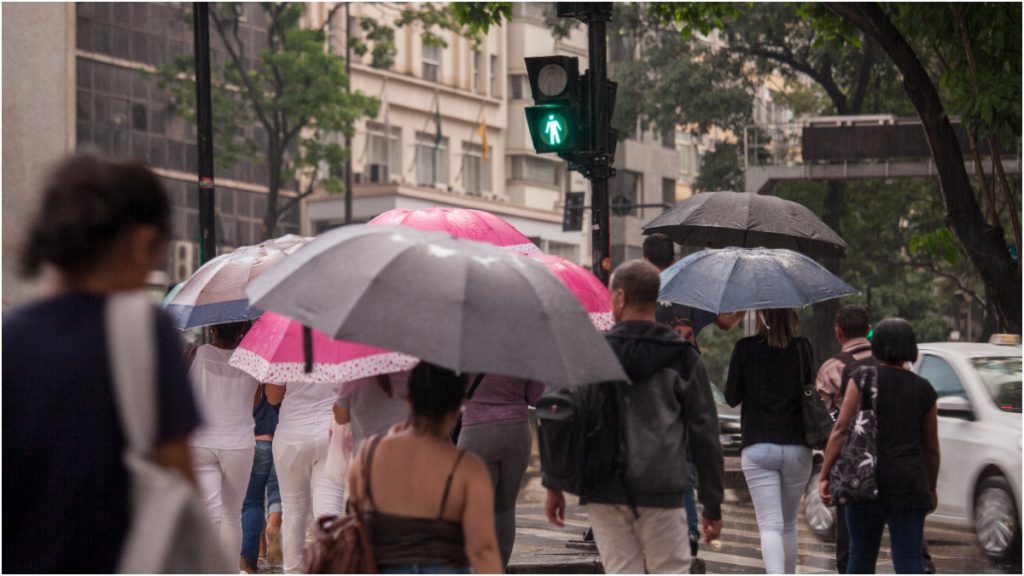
(483, 139)
(437, 120)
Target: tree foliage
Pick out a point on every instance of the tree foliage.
(294, 89)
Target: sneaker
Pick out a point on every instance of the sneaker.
(697, 566)
(274, 554)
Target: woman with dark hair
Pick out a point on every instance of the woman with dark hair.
(496, 427)
(429, 506)
(907, 445)
(223, 447)
(103, 226)
(766, 374)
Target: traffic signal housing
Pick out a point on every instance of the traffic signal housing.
(557, 119)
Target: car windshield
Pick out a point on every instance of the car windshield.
(1002, 379)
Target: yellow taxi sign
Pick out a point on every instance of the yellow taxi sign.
(1005, 339)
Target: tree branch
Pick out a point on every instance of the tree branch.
(786, 57)
(254, 91)
(863, 80)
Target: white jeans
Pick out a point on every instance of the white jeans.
(223, 478)
(776, 477)
(299, 461)
(660, 536)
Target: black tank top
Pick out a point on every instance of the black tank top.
(405, 540)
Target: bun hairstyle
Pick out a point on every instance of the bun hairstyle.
(87, 204)
(434, 391)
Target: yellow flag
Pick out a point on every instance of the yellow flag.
(483, 140)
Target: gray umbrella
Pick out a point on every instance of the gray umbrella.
(733, 279)
(464, 305)
(720, 219)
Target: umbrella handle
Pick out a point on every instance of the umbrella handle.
(307, 348)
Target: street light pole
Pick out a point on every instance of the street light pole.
(204, 130)
(348, 139)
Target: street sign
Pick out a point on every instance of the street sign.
(622, 206)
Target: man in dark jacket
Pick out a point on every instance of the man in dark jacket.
(639, 520)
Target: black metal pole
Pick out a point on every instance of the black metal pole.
(204, 128)
(599, 122)
(348, 139)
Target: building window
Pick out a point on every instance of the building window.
(494, 76)
(477, 61)
(383, 153)
(431, 62)
(518, 86)
(570, 252)
(533, 169)
(685, 165)
(668, 192)
(668, 139)
(629, 184)
(476, 172)
(431, 160)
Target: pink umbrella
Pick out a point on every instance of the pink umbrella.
(585, 286)
(272, 352)
(463, 223)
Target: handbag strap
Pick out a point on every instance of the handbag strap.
(132, 358)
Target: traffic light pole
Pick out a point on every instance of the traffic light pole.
(204, 131)
(597, 41)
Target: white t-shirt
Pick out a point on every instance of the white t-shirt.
(307, 408)
(224, 395)
(371, 410)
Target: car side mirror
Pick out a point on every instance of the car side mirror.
(955, 407)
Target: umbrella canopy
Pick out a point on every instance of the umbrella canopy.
(460, 304)
(215, 294)
(591, 293)
(462, 222)
(272, 351)
(720, 219)
(733, 279)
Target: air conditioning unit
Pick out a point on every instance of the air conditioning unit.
(440, 186)
(396, 179)
(489, 195)
(182, 258)
(378, 173)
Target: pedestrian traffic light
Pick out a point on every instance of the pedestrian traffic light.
(556, 120)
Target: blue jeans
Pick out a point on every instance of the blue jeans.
(424, 569)
(690, 502)
(262, 481)
(867, 520)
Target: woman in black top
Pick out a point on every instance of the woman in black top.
(765, 375)
(907, 451)
(101, 228)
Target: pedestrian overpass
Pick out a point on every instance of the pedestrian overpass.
(849, 148)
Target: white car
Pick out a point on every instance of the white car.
(979, 407)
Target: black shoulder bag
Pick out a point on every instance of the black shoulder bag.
(817, 421)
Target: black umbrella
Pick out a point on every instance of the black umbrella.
(722, 219)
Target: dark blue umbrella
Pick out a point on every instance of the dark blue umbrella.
(731, 279)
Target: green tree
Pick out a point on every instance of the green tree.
(294, 88)
(986, 93)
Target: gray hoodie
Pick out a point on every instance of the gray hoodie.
(667, 401)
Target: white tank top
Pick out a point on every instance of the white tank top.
(224, 395)
(307, 408)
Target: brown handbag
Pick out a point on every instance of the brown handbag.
(341, 544)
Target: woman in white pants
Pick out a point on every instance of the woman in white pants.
(223, 448)
(300, 452)
(766, 375)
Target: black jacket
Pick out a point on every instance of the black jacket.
(667, 400)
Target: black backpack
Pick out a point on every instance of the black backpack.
(581, 437)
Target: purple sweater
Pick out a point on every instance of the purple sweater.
(501, 399)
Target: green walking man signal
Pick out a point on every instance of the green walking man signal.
(553, 129)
